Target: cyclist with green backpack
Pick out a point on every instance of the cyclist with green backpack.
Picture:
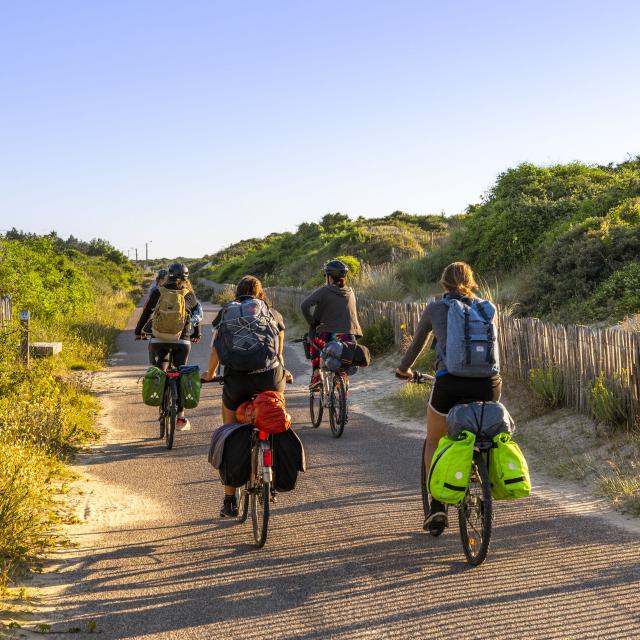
(174, 311)
(467, 362)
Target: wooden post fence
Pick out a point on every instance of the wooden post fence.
(580, 353)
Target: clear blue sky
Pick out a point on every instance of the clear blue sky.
(195, 124)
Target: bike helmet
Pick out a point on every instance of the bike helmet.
(336, 268)
(178, 271)
(162, 273)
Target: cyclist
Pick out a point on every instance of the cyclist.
(331, 314)
(163, 347)
(458, 282)
(242, 386)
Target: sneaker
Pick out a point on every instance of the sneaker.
(436, 522)
(229, 507)
(315, 381)
(183, 424)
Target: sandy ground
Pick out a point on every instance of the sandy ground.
(369, 388)
(102, 505)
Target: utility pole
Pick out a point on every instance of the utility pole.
(136, 255)
(146, 255)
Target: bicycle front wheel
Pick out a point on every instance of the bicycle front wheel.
(172, 414)
(316, 407)
(475, 513)
(260, 496)
(337, 406)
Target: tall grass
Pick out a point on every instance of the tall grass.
(45, 416)
(380, 282)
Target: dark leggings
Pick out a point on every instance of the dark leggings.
(161, 353)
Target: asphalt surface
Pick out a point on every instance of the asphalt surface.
(346, 556)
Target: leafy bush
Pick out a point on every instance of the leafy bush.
(609, 399)
(569, 227)
(548, 385)
(378, 336)
(228, 294)
(82, 300)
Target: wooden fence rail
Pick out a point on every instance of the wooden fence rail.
(579, 353)
(5, 311)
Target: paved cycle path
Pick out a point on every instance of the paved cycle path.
(346, 556)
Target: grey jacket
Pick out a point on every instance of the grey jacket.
(331, 309)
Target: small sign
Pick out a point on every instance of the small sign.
(25, 315)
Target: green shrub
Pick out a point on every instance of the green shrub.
(228, 294)
(378, 336)
(409, 399)
(609, 399)
(548, 384)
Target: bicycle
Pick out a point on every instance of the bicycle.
(258, 492)
(330, 394)
(168, 410)
(475, 511)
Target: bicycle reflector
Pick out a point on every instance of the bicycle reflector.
(266, 458)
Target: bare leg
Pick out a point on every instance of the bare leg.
(228, 416)
(436, 428)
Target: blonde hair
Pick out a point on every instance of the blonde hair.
(458, 276)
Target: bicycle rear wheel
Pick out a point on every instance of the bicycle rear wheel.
(260, 496)
(337, 406)
(162, 418)
(242, 497)
(172, 414)
(475, 513)
(315, 407)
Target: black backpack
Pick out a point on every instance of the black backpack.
(247, 338)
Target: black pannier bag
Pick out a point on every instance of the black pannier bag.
(306, 345)
(355, 354)
(288, 460)
(484, 419)
(230, 453)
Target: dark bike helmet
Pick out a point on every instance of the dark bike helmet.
(162, 273)
(178, 271)
(336, 269)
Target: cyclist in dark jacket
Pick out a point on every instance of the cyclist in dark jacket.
(160, 351)
(458, 282)
(331, 313)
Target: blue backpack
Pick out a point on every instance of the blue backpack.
(471, 350)
(248, 337)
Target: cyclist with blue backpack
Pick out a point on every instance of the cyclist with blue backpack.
(249, 342)
(467, 361)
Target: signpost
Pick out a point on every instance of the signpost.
(25, 321)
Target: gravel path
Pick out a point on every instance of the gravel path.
(346, 556)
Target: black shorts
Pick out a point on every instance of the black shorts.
(239, 387)
(449, 391)
(159, 353)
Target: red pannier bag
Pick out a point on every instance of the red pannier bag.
(267, 412)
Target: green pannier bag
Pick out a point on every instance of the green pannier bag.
(451, 468)
(190, 385)
(508, 470)
(153, 386)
